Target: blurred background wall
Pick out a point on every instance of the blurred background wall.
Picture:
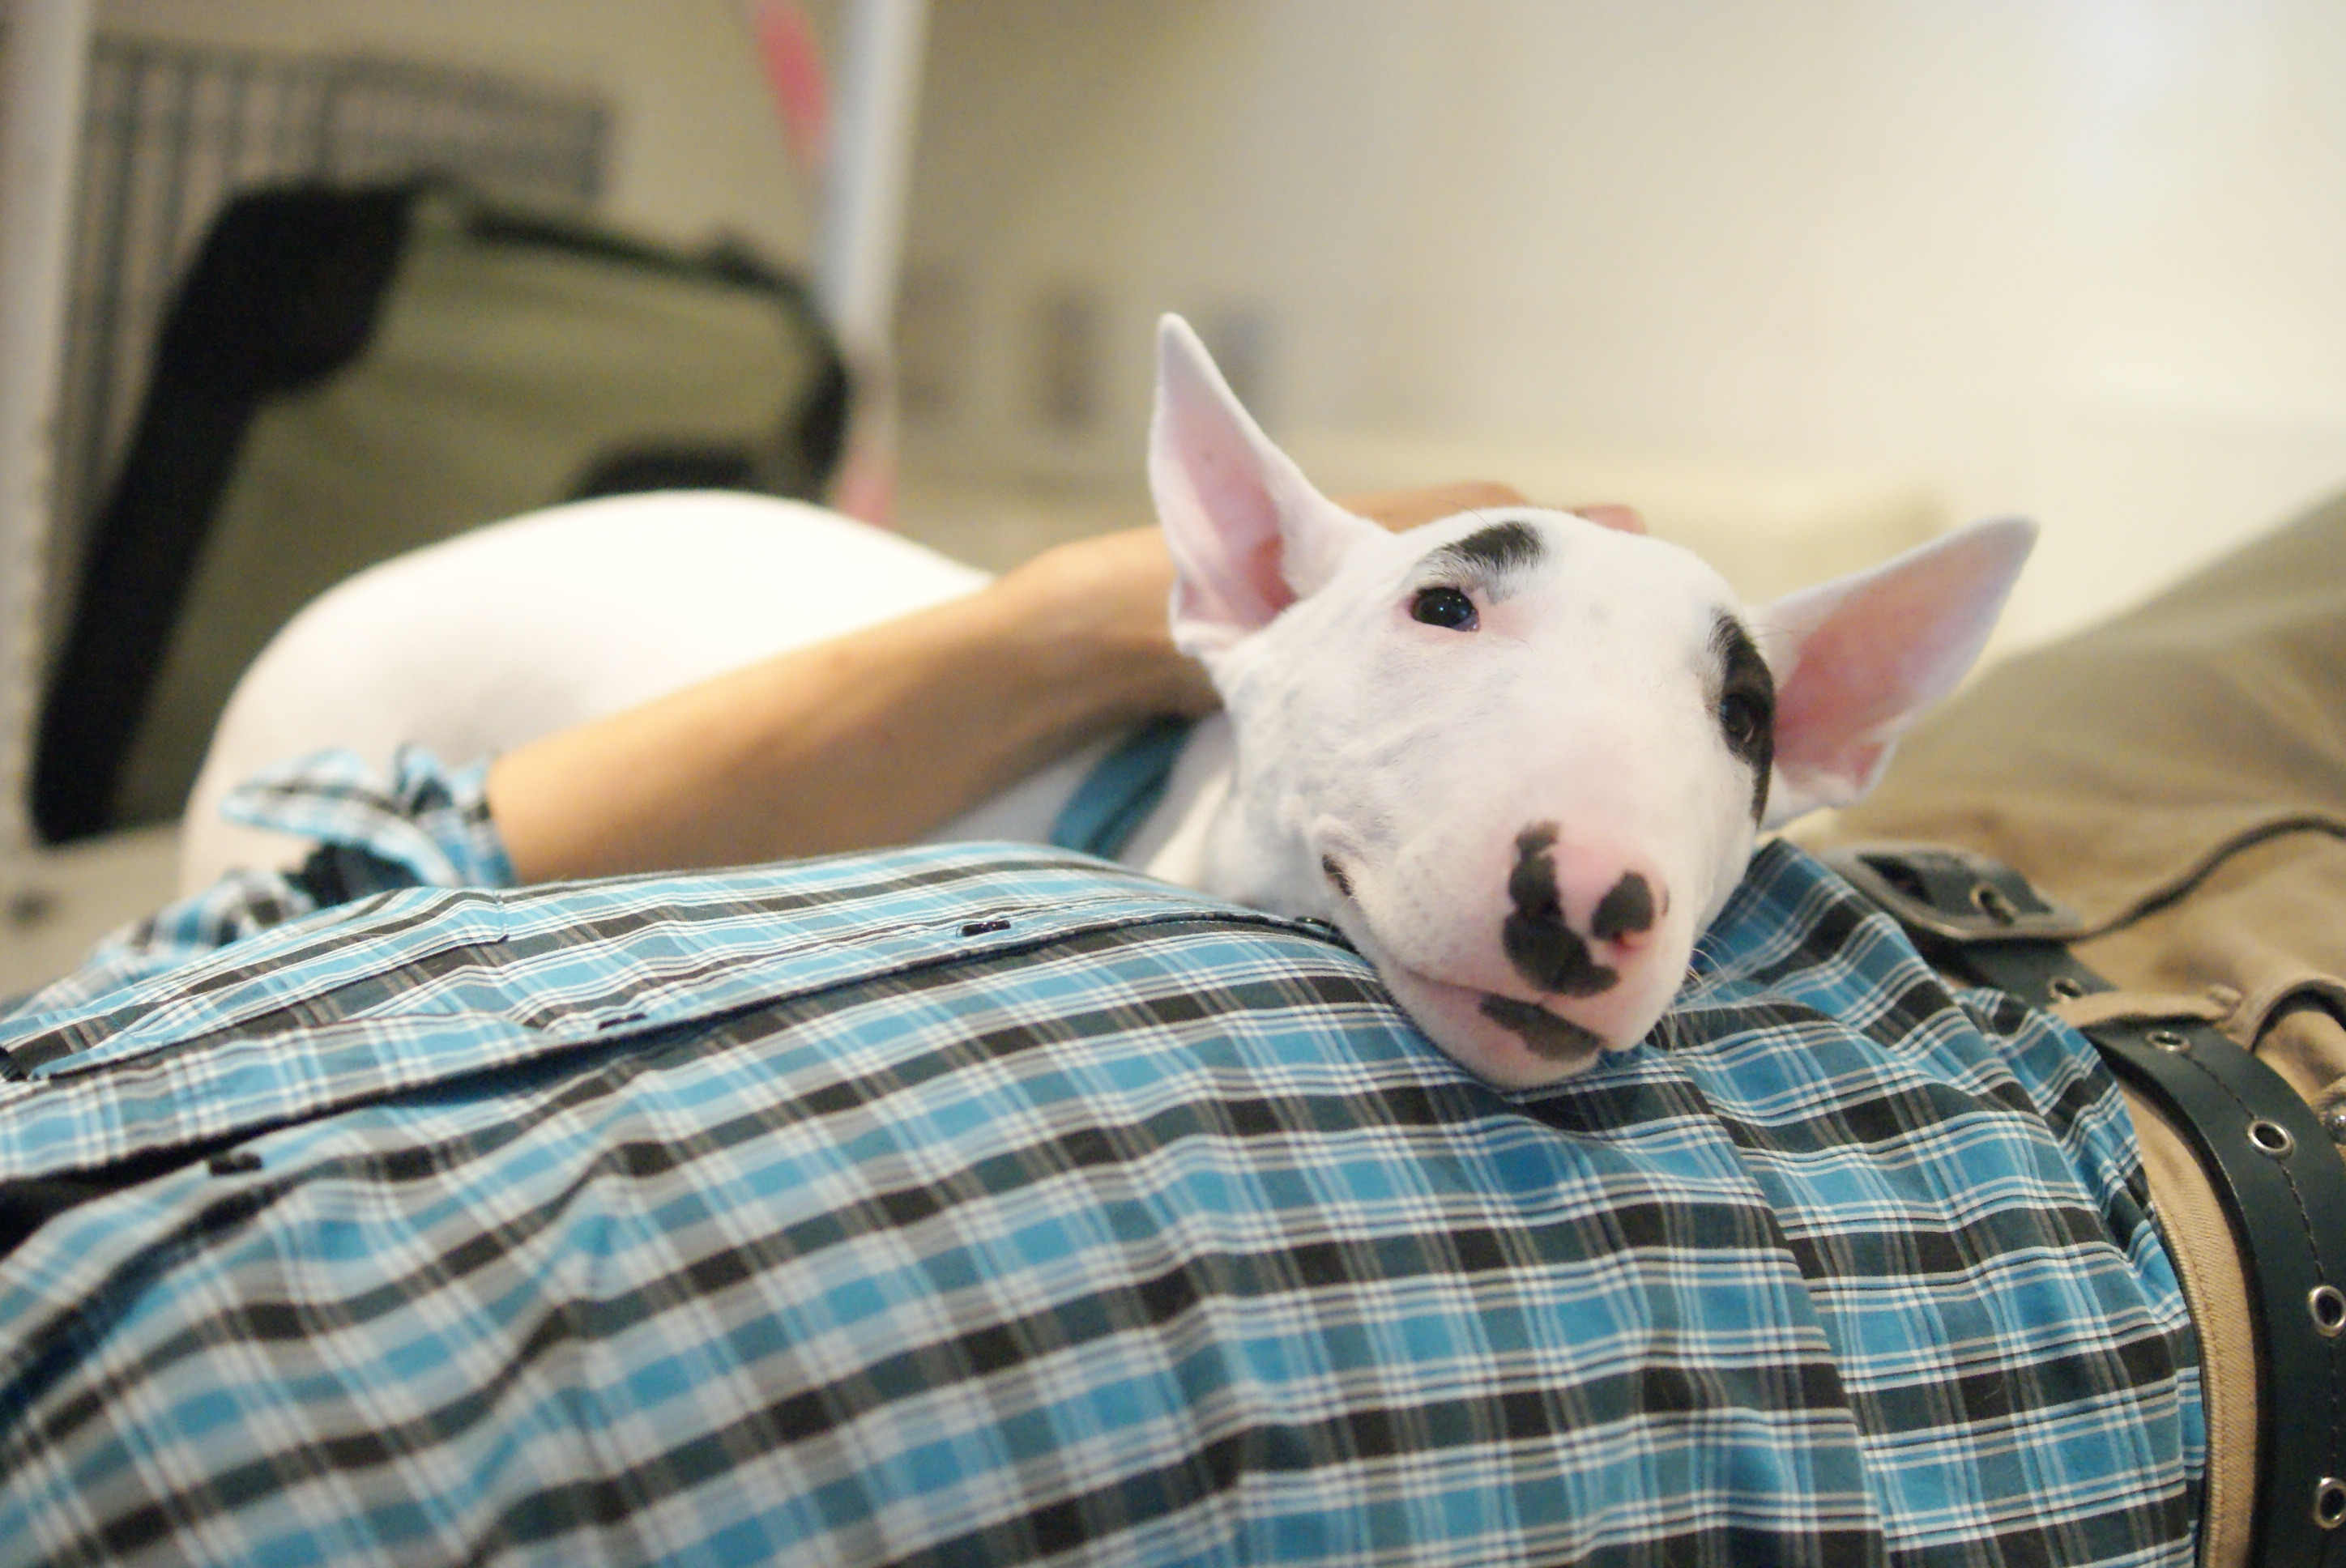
(1808, 280)
(2079, 259)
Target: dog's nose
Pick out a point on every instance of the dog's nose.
(1626, 912)
(1618, 906)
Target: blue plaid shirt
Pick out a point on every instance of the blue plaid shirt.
(988, 1204)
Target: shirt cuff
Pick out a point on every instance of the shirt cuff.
(424, 826)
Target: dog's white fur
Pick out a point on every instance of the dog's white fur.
(1399, 778)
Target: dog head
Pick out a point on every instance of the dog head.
(1519, 758)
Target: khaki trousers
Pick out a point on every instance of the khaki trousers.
(2178, 778)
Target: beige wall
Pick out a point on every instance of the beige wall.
(2081, 259)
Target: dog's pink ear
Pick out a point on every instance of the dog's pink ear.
(1858, 659)
(1248, 534)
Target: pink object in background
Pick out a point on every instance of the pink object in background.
(864, 487)
(792, 56)
(858, 157)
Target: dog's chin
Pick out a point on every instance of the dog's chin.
(1514, 1043)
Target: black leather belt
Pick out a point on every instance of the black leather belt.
(2278, 1176)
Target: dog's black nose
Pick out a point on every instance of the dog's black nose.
(1626, 907)
(1546, 952)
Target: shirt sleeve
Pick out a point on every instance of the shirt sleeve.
(425, 826)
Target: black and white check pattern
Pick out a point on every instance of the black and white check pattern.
(983, 1204)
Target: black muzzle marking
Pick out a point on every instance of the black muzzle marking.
(1335, 875)
(1628, 907)
(1544, 1035)
(1549, 954)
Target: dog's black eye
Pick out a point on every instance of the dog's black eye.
(1747, 706)
(1744, 718)
(1444, 607)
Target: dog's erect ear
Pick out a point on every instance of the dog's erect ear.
(1858, 659)
(1248, 534)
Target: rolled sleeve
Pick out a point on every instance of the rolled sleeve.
(426, 825)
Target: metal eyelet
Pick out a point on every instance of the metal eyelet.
(2174, 1042)
(2066, 987)
(1991, 901)
(2325, 1305)
(2270, 1138)
(2330, 1503)
(2333, 1121)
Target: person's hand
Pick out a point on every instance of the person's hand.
(1104, 598)
(1401, 510)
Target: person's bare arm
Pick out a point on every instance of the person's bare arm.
(884, 733)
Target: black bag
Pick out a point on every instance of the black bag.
(346, 375)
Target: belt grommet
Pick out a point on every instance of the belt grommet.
(1992, 901)
(2174, 1042)
(2270, 1138)
(2330, 1503)
(2066, 987)
(2327, 1306)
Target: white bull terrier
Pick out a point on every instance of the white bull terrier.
(1520, 759)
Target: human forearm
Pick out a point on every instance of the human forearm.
(871, 739)
(881, 736)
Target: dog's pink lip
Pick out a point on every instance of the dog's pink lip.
(1512, 1043)
(1540, 1043)
(1471, 998)
(1475, 998)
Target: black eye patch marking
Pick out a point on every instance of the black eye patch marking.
(1746, 705)
(1494, 550)
(1503, 547)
